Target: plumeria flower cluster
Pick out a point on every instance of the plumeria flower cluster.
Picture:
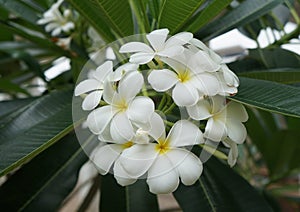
(132, 110)
(57, 20)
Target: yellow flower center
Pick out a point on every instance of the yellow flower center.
(122, 105)
(184, 76)
(127, 144)
(162, 147)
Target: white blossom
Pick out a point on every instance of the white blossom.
(94, 85)
(192, 77)
(56, 21)
(166, 161)
(123, 110)
(159, 46)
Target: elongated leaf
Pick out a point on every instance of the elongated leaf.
(269, 96)
(220, 189)
(133, 198)
(112, 196)
(208, 13)
(175, 13)
(139, 8)
(286, 76)
(117, 15)
(32, 129)
(46, 180)
(20, 8)
(140, 199)
(7, 107)
(277, 141)
(246, 12)
(89, 11)
(9, 86)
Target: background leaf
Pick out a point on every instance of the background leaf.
(269, 96)
(46, 180)
(33, 128)
(220, 189)
(246, 12)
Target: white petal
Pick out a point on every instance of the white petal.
(162, 80)
(171, 51)
(105, 156)
(178, 64)
(184, 94)
(188, 165)
(121, 176)
(140, 109)
(109, 91)
(122, 70)
(179, 39)
(184, 133)
(208, 84)
(237, 112)
(215, 130)
(205, 63)
(157, 38)
(135, 47)
(91, 100)
(157, 127)
(162, 178)
(56, 31)
(121, 128)
(137, 159)
(230, 78)
(103, 71)
(141, 58)
(131, 85)
(236, 131)
(86, 86)
(199, 111)
(68, 26)
(218, 104)
(233, 153)
(99, 118)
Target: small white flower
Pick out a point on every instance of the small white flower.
(222, 119)
(228, 80)
(55, 21)
(107, 155)
(193, 77)
(165, 161)
(94, 85)
(123, 110)
(160, 46)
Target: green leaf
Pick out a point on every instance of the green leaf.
(133, 198)
(140, 199)
(20, 8)
(139, 8)
(8, 86)
(208, 13)
(220, 189)
(246, 12)
(281, 75)
(277, 141)
(269, 96)
(175, 13)
(112, 195)
(7, 107)
(33, 128)
(31, 188)
(90, 12)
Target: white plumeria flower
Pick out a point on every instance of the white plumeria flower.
(94, 85)
(108, 155)
(160, 46)
(123, 110)
(56, 21)
(193, 77)
(223, 120)
(229, 81)
(165, 161)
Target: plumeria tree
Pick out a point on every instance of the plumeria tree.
(146, 104)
